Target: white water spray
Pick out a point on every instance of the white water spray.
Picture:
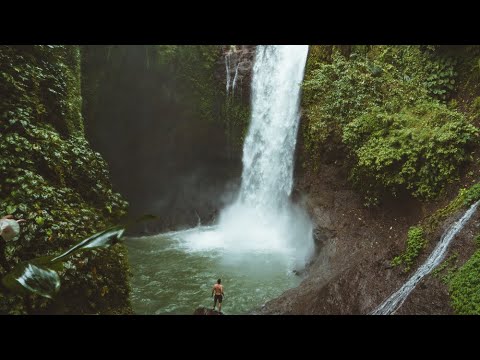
(396, 300)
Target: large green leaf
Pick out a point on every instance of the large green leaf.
(27, 277)
(40, 275)
(102, 239)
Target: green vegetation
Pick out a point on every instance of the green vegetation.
(477, 240)
(41, 83)
(464, 198)
(419, 148)
(42, 276)
(416, 242)
(463, 282)
(382, 110)
(464, 287)
(447, 268)
(52, 178)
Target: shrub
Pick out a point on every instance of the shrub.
(382, 105)
(464, 287)
(416, 242)
(419, 149)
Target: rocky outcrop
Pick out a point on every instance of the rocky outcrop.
(235, 70)
(349, 273)
(204, 311)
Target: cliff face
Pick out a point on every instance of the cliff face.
(235, 66)
(53, 179)
(161, 116)
(350, 272)
(234, 71)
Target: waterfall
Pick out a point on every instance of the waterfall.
(396, 300)
(262, 218)
(268, 153)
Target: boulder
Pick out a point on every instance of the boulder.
(204, 311)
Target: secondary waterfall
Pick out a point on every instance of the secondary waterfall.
(229, 64)
(396, 300)
(227, 70)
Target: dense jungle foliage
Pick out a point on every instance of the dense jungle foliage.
(53, 179)
(402, 117)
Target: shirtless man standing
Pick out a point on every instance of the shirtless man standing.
(218, 291)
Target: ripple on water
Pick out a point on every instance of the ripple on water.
(169, 280)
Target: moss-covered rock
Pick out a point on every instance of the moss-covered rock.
(53, 179)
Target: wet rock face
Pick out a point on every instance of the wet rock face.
(350, 272)
(237, 61)
(205, 311)
(320, 237)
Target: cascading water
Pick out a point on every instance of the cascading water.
(229, 64)
(227, 70)
(396, 300)
(262, 236)
(262, 218)
(268, 151)
(235, 78)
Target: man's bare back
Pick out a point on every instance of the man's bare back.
(218, 289)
